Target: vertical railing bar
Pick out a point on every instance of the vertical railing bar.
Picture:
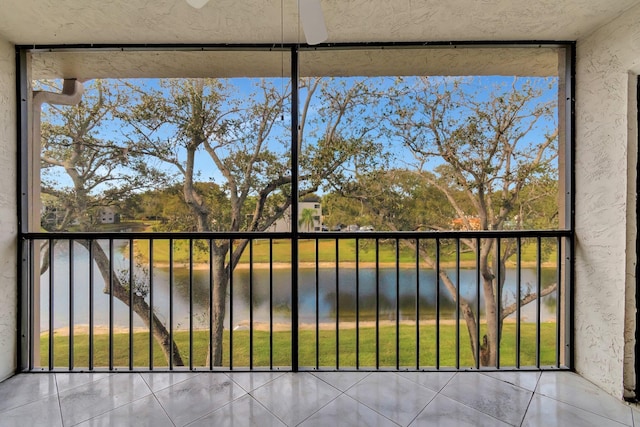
(458, 303)
(31, 313)
(437, 303)
(111, 304)
(337, 305)
(191, 304)
(397, 304)
(478, 317)
(211, 284)
(317, 278)
(151, 304)
(498, 299)
(271, 304)
(377, 303)
(295, 192)
(131, 285)
(51, 305)
(558, 298)
(91, 314)
(538, 286)
(230, 304)
(417, 303)
(171, 361)
(357, 303)
(251, 304)
(71, 304)
(518, 297)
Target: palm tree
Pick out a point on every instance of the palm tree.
(306, 218)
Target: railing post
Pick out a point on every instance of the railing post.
(295, 151)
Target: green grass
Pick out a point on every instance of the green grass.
(281, 250)
(307, 347)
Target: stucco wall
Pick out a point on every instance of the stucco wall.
(8, 217)
(605, 203)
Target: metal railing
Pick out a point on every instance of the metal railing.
(354, 301)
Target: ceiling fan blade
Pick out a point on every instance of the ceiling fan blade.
(315, 30)
(197, 3)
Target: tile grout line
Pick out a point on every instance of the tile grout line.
(482, 411)
(585, 409)
(249, 393)
(329, 402)
(422, 410)
(533, 393)
(163, 408)
(55, 377)
(383, 415)
(116, 407)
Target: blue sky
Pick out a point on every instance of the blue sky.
(244, 88)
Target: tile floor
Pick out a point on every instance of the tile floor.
(310, 399)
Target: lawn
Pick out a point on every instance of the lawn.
(281, 252)
(307, 348)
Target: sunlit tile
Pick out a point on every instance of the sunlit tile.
(432, 380)
(341, 380)
(44, 412)
(393, 396)
(160, 380)
(525, 380)
(67, 381)
(145, 412)
(445, 412)
(573, 389)
(501, 400)
(546, 412)
(89, 400)
(294, 397)
(346, 411)
(191, 399)
(25, 388)
(250, 381)
(243, 412)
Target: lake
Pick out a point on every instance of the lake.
(281, 294)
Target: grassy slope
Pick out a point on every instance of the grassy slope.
(307, 352)
(326, 252)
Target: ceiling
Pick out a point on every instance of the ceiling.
(29, 22)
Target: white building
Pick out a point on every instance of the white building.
(108, 215)
(284, 223)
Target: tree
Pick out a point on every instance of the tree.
(306, 218)
(490, 149)
(101, 172)
(244, 139)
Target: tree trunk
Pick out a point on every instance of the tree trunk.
(220, 278)
(140, 306)
(490, 344)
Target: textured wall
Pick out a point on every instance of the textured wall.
(251, 21)
(126, 64)
(605, 206)
(8, 217)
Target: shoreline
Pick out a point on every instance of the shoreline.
(309, 265)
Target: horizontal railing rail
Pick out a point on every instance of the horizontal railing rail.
(367, 300)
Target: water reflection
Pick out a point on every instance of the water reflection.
(334, 290)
